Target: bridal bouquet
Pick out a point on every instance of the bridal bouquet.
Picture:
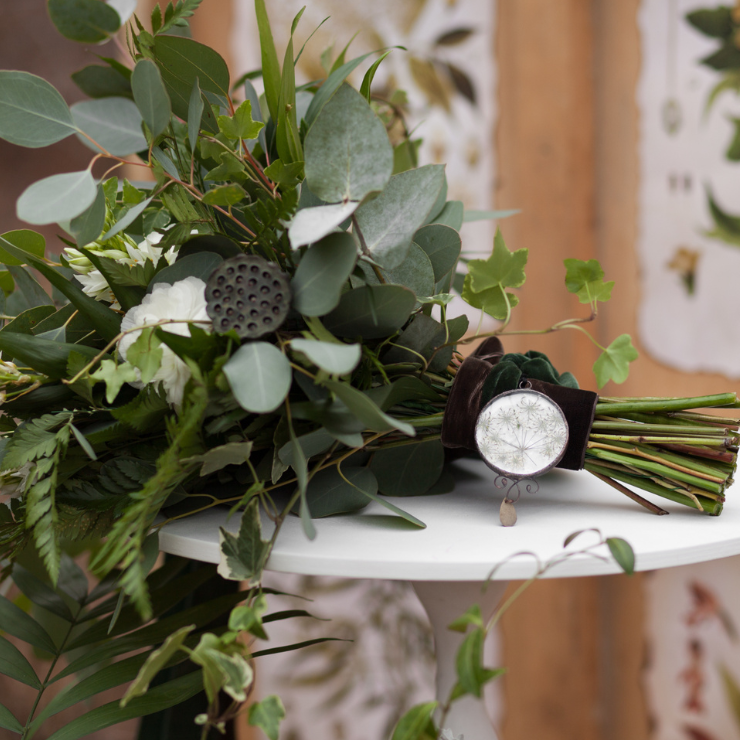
(259, 320)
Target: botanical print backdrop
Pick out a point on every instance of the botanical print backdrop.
(689, 250)
(449, 76)
(693, 630)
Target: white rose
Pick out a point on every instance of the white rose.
(185, 301)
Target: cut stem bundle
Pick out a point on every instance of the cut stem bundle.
(665, 447)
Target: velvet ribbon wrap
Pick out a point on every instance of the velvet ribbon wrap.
(470, 393)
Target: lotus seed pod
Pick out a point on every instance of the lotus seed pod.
(248, 294)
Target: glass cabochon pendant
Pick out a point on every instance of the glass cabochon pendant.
(520, 434)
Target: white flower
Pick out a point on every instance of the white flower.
(13, 483)
(147, 250)
(95, 285)
(448, 735)
(184, 301)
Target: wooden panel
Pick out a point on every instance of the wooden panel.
(545, 156)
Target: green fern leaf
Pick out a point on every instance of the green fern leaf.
(178, 14)
(145, 411)
(33, 440)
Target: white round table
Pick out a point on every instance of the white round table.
(449, 560)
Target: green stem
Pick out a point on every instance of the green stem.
(713, 508)
(611, 408)
(706, 441)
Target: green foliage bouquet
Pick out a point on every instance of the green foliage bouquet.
(261, 324)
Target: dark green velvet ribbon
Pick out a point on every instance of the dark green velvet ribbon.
(508, 373)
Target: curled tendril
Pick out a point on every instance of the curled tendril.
(515, 487)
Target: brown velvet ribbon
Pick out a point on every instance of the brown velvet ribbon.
(464, 401)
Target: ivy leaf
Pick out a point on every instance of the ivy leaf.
(223, 668)
(586, 280)
(503, 268)
(156, 661)
(240, 125)
(623, 553)
(613, 363)
(146, 354)
(114, 376)
(417, 723)
(472, 616)
(243, 557)
(266, 715)
(246, 618)
(492, 301)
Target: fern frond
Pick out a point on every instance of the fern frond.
(145, 411)
(33, 440)
(178, 14)
(125, 541)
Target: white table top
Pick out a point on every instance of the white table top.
(464, 540)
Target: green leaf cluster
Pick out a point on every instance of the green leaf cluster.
(487, 280)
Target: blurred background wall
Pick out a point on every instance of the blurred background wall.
(563, 146)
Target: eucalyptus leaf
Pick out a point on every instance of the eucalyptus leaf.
(452, 215)
(195, 113)
(371, 312)
(86, 21)
(442, 245)
(322, 273)
(260, 376)
(32, 113)
(409, 470)
(330, 492)
(150, 96)
(388, 223)
(332, 83)
(336, 359)
(415, 272)
(489, 215)
(310, 225)
(313, 443)
(113, 124)
(362, 406)
(347, 153)
(97, 81)
(181, 61)
(57, 198)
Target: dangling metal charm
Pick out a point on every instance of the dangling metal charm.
(520, 434)
(507, 513)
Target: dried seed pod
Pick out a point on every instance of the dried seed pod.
(248, 294)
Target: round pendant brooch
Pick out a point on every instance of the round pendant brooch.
(520, 434)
